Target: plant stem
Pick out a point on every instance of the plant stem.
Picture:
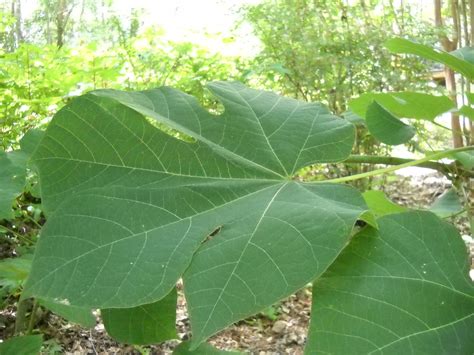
(10, 230)
(375, 159)
(33, 220)
(20, 322)
(435, 156)
(31, 324)
(441, 126)
(16, 234)
(456, 214)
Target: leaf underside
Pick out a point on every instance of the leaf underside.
(386, 127)
(380, 205)
(404, 104)
(401, 45)
(131, 208)
(447, 205)
(147, 324)
(12, 180)
(401, 289)
(13, 171)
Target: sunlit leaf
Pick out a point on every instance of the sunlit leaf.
(404, 104)
(400, 45)
(386, 127)
(465, 158)
(467, 111)
(465, 53)
(470, 97)
(403, 288)
(279, 68)
(380, 205)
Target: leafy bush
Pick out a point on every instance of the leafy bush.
(37, 80)
(329, 51)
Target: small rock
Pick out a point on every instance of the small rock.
(279, 326)
(292, 339)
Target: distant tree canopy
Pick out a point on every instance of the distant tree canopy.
(331, 50)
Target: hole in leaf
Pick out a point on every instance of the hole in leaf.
(214, 106)
(170, 131)
(212, 234)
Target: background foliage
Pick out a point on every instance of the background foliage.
(330, 51)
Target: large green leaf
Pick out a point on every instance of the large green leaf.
(146, 324)
(129, 205)
(404, 104)
(447, 204)
(354, 118)
(400, 45)
(22, 345)
(15, 269)
(465, 158)
(386, 127)
(12, 180)
(465, 53)
(380, 205)
(402, 289)
(268, 254)
(13, 171)
(31, 140)
(470, 97)
(13, 273)
(467, 111)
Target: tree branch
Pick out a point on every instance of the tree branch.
(375, 159)
(445, 169)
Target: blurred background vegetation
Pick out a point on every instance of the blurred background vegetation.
(328, 51)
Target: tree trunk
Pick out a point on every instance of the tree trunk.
(16, 33)
(18, 30)
(63, 14)
(448, 46)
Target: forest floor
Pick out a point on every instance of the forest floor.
(280, 329)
